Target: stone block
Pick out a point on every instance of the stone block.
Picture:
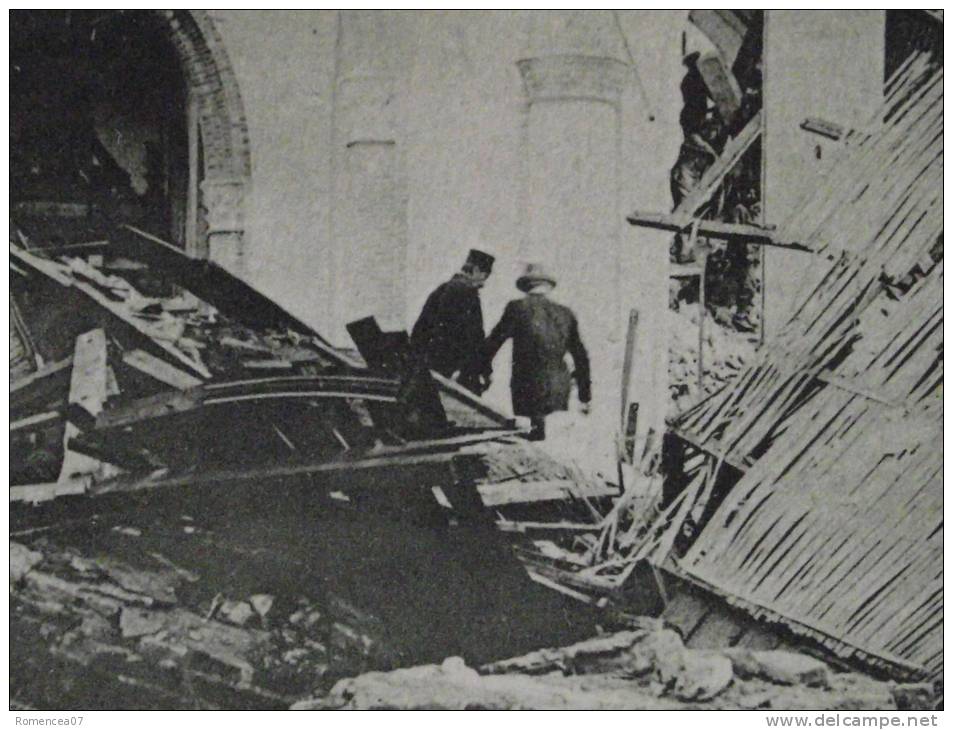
(918, 696)
(22, 560)
(780, 667)
(717, 630)
(685, 612)
(703, 676)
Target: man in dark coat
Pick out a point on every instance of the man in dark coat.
(448, 335)
(543, 332)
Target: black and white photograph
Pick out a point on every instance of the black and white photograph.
(476, 359)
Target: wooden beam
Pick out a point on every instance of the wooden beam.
(831, 130)
(455, 390)
(37, 420)
(714, 175)
(42, 385)
(89, 382)
(160, 370)
(553, 490)
(62, 275)
(744, 233)
(35, 493)
(355, 467)
(712, 451)
(523, 527)
(21, 328)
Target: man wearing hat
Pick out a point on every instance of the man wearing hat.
(448, 335)
(543, 332)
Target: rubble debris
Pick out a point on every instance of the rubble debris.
(454, 686)
(22, 560)
(916, 696)
(601, 654)
(615, 674)
(782, 667)
(239, 613)
(135, 622)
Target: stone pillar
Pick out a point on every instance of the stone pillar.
(829, 65)
(369, 213)
(573, 83)
(224, 201)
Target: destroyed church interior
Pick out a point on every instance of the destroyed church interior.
(237, 481)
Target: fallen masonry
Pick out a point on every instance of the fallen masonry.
(640, 669)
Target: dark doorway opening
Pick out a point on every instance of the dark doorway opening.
(100, 124)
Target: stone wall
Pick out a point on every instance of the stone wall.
(384, 146)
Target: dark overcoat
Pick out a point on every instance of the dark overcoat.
(448, 335)
(543, 332)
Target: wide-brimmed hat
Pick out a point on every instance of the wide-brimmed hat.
(533, 275)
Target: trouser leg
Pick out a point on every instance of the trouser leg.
(537, 428)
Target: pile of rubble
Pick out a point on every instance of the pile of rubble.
(725, 353)
(645, 667)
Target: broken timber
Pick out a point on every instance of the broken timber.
(160, 370)
(88, 386)
(714, 175)
(744, 233)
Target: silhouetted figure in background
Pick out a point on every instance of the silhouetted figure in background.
(448, 335)
(543, 332)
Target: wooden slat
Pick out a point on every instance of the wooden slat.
(457, 391)
(160, 370)
(38, 420)
(61, 274)
(88, 386)
(714, 175)
(36, 493)
(555, 490)
(749, 234)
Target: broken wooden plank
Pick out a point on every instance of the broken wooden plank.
(497, 495)
(41, 385)
(36, 493)
(160, 370)
(62, 275)
(537, 577)
(59, 273)
(831, 130)
(721, 83)
(714, 175)
(274, 364)
(26, 338)
(88, 392)
(237, 344)
(353, 467)
(742, 232)
(455, 390)
(37, 420)
(524, 527)
(723, 28)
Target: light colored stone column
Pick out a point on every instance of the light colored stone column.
(369, 213)
(224, 201)
(573, 81)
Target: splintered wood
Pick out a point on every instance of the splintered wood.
(835, 526)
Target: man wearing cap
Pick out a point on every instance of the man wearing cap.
(448, 335)
(543, 332)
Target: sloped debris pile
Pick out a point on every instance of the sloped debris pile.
(644, 667)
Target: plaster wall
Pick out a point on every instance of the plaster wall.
(473, 164)
(826, 64)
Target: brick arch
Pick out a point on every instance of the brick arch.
(227, 160)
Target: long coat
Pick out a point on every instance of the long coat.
(448, 335)
(543, 332)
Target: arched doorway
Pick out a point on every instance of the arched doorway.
(135, 115)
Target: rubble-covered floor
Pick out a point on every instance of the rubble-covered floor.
(644, 668)
(236, 602)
